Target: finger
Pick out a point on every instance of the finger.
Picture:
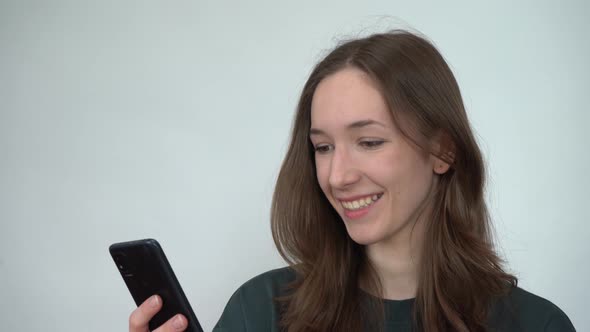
(140, 317)
(174, 324)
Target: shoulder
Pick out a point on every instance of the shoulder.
(271, 282)
(252, 307)
(521, 310)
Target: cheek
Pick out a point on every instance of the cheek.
(414, 181)
(322, 176)
(401, 171)
(387, 168)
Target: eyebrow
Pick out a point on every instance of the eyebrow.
(354, 125)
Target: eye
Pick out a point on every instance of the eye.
(371, 144)
(322, 148)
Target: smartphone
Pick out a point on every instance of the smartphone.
(146, 272)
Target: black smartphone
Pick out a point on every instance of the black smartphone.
(146, 272)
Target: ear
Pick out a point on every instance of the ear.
(440, 167)
(442, 154)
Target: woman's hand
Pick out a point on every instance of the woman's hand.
(138, 321)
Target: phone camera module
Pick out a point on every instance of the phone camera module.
(120, 261)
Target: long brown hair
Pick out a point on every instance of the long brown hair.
(460, 272)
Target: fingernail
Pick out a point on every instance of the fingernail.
(154, 301)
(178, 323)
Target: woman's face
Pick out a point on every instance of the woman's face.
(374, 178)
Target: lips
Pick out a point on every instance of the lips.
(358, 202)
(358, 206)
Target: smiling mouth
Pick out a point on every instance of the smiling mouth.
(361, 203)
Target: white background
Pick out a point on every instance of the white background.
(169, 119)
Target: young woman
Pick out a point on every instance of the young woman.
(379, 209)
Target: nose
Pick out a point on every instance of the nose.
(343, 171)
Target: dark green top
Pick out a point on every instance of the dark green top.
(251, 308)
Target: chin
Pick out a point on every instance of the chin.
(363, 236)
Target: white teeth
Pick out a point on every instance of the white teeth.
(361, 203)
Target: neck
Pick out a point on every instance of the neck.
(397, 270)
(397, 260)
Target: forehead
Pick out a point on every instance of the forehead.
(347, 96)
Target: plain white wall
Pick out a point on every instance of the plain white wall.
(169, 119)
